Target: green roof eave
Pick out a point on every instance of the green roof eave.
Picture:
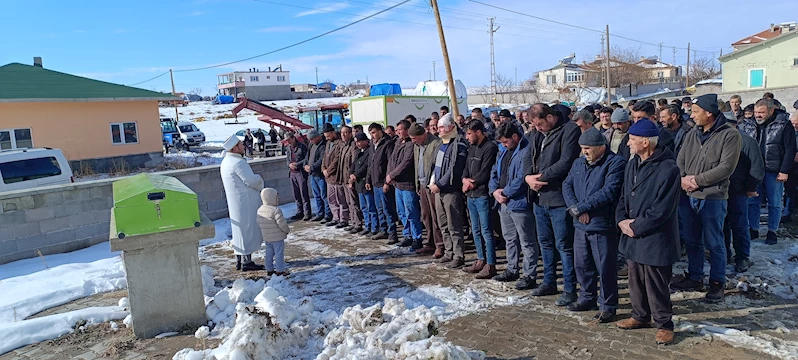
(163, 98)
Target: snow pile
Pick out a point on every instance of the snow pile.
(18, 334)
(208, 284)
(390, 332)
(124, 302)
(449, 303)
(737, 338)
(267, 321)
(29, 294)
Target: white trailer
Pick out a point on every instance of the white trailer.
(390, 109)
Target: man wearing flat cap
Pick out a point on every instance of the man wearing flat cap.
(242, 188)
(709, 154)
(646, 216)
(297, 159)
(335, 182)
(590, 192)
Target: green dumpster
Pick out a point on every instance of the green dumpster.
(152, 203)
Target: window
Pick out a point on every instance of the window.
(660, 74)
(756, 78)
(795, 62)
(188, 128)
(268, 77)
(253, 79)
(573, 76)
(551, 79)
(124, 133)
(29, 169)
(15, 139)
(280, 78)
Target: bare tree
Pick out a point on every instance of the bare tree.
(528, 92)
(196, 91)
(328, 80)
(623, 68)
(504, 88)
(703, 68)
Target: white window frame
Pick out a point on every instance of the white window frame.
(551, 79)
(122, 132)
(764, 77)
(13, 137)
(574, 76)
(281, 78)
(254, 78)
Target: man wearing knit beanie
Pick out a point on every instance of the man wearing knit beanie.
(646, 215)
(590, 192)
(620, 125)
(706, 161)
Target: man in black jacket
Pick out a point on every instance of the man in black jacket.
(446, 183)
(776, 138)
(646, 215)
(378, 168)
(742, 185)
(481, 157)
(297, 157)
(554, 147)
(646, 110)
(317, 182)
(359, 175)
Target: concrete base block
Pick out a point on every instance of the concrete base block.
(164, 279)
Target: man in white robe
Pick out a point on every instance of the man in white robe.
(242, 188)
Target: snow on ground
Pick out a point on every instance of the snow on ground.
(268, 323)
(17, 334)
(763, 343)
(26, 295)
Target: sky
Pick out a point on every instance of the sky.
(128, 42)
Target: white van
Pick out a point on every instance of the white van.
(29, 168)
(190, 134)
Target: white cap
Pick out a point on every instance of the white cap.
(231, 142)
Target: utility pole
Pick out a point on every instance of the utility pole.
(433, 71)
(492, 30)
(450, 77)
(674, 56)
(317, 75)
(660, 52)
(174, 93)
(687, 71)
(516, 76)
(609, 98)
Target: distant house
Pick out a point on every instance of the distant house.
(766, 60)
(658, 71)
(91, 121)
(567, 75)
(256, 84)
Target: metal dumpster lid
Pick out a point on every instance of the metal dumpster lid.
(134, 185)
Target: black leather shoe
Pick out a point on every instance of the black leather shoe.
(331, 223)
(251, 266)
(604, 317)
(506, 276)
(545, 290)
(525, 283)
(297, 216)
(582, 306)
(406, 242)
(317, 218)
(365, 232)
(342, 225)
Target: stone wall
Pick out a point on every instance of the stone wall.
(58, 219)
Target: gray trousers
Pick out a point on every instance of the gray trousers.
(338, 205)
(450, 210)
(518, 229)
(353, 203)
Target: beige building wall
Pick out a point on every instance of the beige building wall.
(82, 130)
(776, 57)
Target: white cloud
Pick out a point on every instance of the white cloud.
(278, 29)
(323, 8)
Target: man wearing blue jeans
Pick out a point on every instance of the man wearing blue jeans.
(359, 175)
(776, 138)
(382, 148)
(401, 175)
(317, 183)
(707, 160)
(554, 147)
(476, 175)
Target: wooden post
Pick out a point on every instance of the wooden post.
(177, 116)
(609, 87)
(452, 95)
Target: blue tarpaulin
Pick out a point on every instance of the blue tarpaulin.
(327, 84)
(223, 99)
(385, 89)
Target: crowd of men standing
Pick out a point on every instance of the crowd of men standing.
(605, 191)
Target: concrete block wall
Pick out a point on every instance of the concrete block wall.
(64, 218)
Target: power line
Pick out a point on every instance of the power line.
(148, 80)
(570, 25)
(301, 42)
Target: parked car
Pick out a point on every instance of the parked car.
(190, 134)
(30, 168)
(192, 97)
(171, 136)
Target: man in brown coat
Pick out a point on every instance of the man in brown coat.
(335, 182)
(425, 148)
(348, 154)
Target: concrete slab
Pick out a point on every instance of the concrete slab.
(164, 279)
